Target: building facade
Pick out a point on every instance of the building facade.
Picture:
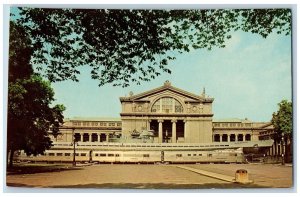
(174, 115)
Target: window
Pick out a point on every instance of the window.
(178, 155)
(110, 155)
(96, 154)
(217, 124)
(85, 123)
(195, 154)
(167, 105)
(248, 137)
(189, 155)
(76, 123)
(67, 154)
(146, 155)
(117, 155)
(200, 154)
(77, 137)
(51, 154)
(83, 154)
(209, 155)
(59, 154)
(102, 155)
(94, 123)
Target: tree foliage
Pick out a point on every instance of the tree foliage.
(282, 120)
(29, 115)
(124, 46)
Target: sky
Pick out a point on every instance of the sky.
(247, 79)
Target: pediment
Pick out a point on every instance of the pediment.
(167, 89)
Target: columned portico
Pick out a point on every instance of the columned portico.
(166, 108)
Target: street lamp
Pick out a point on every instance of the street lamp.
(282, 149)
(74, 150)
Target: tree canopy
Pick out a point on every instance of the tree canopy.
(125, 46)
(30, 115)
(282, 120)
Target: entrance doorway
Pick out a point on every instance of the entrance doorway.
(167, 131)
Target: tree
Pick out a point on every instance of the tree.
(124, 46)
(282, 121)
(29, 115)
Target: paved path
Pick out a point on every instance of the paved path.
(209, 174)
(265, 175)
(117, 176)
(154, 176)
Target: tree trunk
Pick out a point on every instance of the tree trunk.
(11, 158)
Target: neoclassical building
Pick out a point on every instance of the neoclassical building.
(174, 115)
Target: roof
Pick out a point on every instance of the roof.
(233, 120)
(93, 119)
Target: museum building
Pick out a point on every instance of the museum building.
(174, 115)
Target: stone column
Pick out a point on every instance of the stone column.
(236, 137)
(244, 137)
(81, 137)
(228, 137)
(107, 137)
(98, 137)
(185, 131)
(148, 125)
(221, 137)
(90, 137)
(174, 131)
(160, 135)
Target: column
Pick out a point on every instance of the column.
(244, 137)
(107, 137)
(81, 137)
(236, 137)
(160, 137)
(98, 137)
(174, 131)
(90, 137)
(228, 137)
(221, 137)
(185, 131)
(148, 125)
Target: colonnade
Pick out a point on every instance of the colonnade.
(160, 130)
(231, 137)
(90, 138)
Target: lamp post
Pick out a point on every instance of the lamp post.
(74, 151)
(282, 149)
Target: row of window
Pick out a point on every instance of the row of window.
(232, 137)
(118, 155)
(208, 155)
(132, 145)
(125, 155)
(66, 154)
(232, 124)
(94, 137)
(110, 124)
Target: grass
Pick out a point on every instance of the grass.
(33, 168)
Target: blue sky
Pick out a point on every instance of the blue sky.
(247, 79)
